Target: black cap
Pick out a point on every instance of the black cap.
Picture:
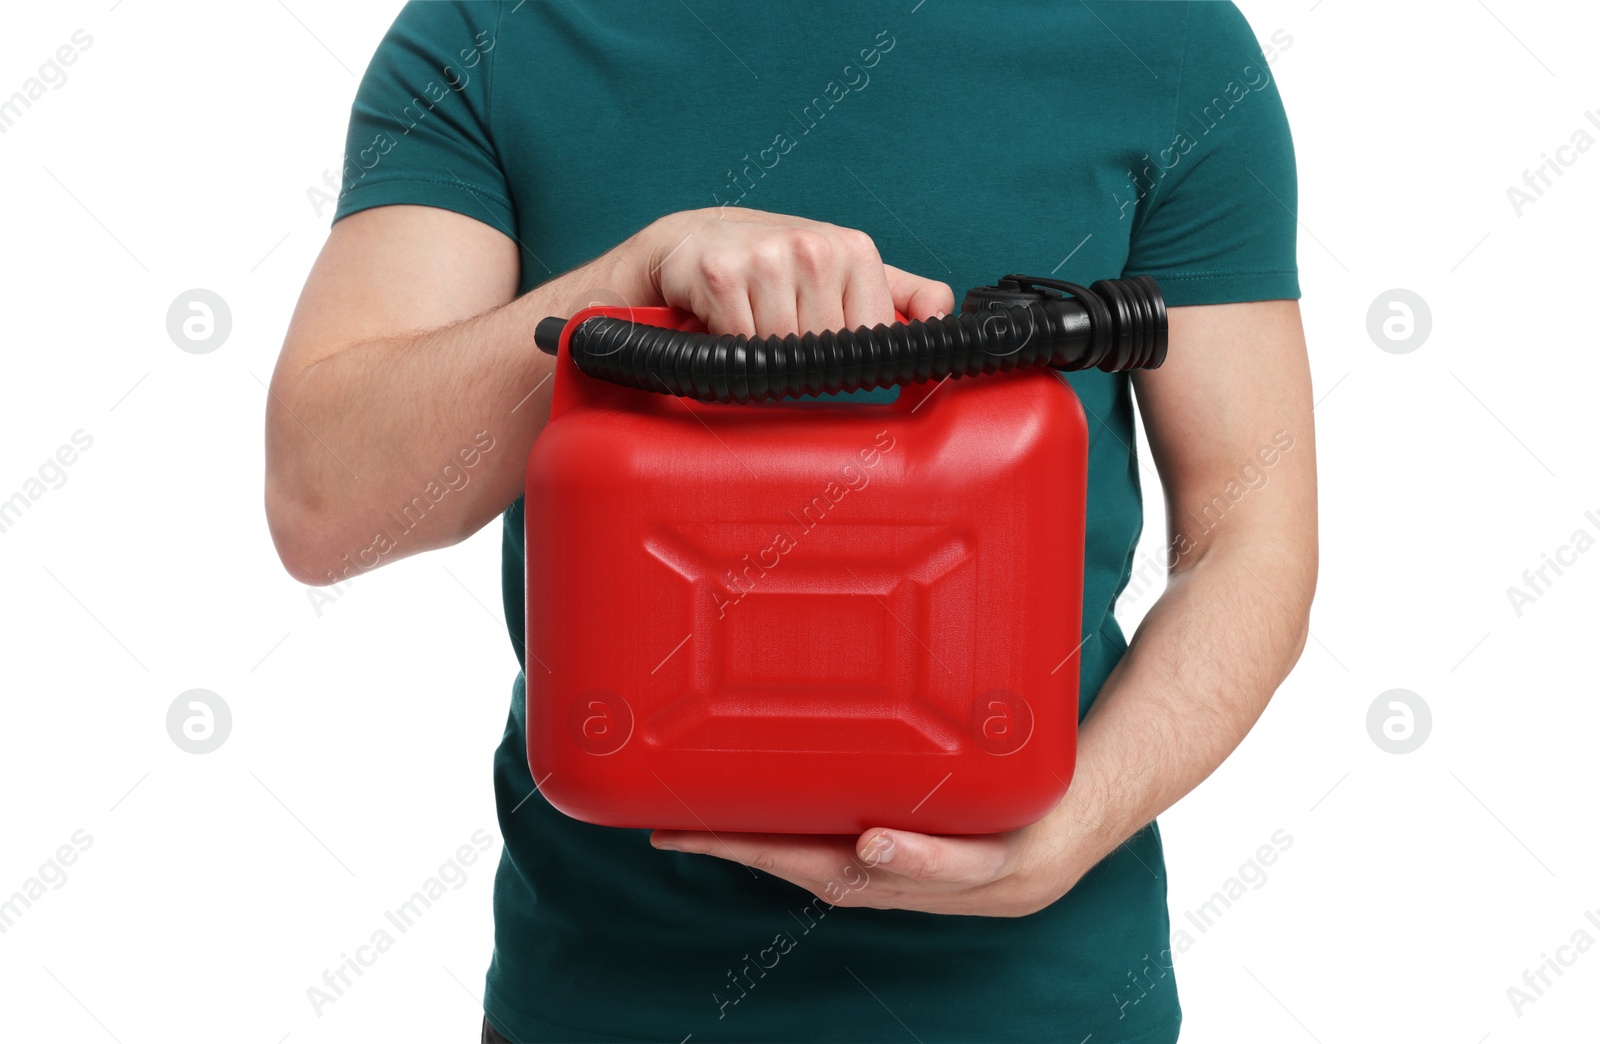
(547, 335)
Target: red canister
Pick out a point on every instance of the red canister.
(804, 616)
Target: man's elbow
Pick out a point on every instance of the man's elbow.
(315, 531)
(313, 524)
(325, 537)
(1297, 645)
(1307, 562)
(305, 538)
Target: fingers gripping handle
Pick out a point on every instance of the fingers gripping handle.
(1115, 324)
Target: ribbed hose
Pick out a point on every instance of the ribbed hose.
(1120, 324)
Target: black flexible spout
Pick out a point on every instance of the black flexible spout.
(1116, 324)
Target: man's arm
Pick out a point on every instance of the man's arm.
(409, 343)
(405, 344)
(1198, 672)
(1232, 621)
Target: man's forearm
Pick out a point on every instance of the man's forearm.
(356, 438)
(1195, 678)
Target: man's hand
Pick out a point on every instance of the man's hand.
(749, 272)
(409, 352)
(989, 875)
(1229, 419)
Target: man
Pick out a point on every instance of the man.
(760, 165)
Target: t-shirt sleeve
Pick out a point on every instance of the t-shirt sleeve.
(1218, 223)
(419, 128)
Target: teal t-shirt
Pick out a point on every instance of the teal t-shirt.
(969, 139)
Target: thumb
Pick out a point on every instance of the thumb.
(916, 297)
(921, 857)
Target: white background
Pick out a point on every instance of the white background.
(217, 888)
